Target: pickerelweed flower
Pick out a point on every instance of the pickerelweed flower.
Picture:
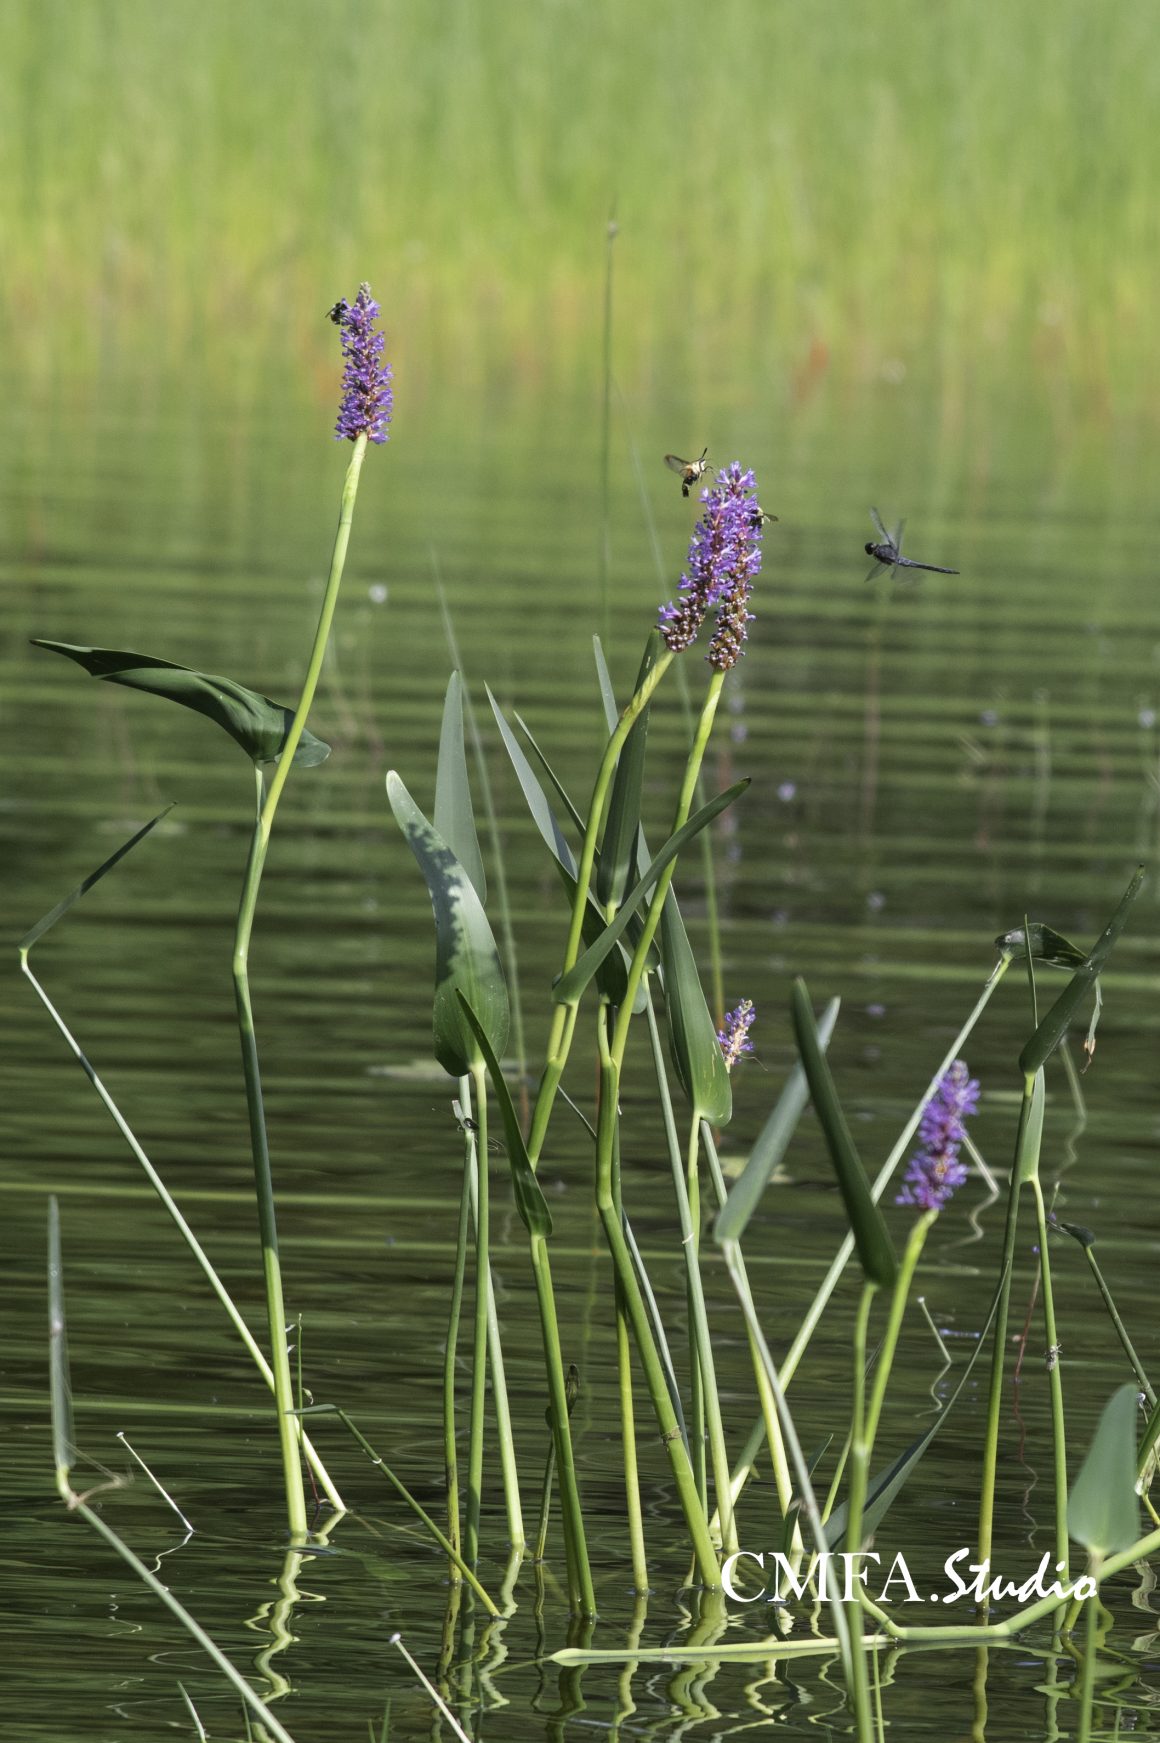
(724, 561)
(367, 400)
(935, 1173)
(734, 1037)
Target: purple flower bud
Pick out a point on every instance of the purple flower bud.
(734, 1037)
(935, 1173)
(367, 400)
(724, 561)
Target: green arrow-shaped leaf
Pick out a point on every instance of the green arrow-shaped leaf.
(466, 958)
(253, 720)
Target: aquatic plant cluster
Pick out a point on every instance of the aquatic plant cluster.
(626, 959)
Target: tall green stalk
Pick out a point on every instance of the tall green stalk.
(670, 1429)
(479, 1342)
(998, 1347)
(855, 1504)
(689, 1206)
(627, 1406)
(259, 1142)
(450, 1353)
(1055, 1382)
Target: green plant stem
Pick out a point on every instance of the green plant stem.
(416, 1507)
(656, 904)
(731, 1253)
(564, 1016)
(628, 1438)
(259, 1143)
(906, 1269)
(690, 1213)
(264, 1189)
(859, 1476)
(479, 1342)
(781, 1476)
(670, 1429)
(580, 1588)
(1055, 1381)
(633, 1506)
(253, 1701)
(998, 1348)
(503, 1419)
(1087, 1684)
(257, 1355)
(1121, 1329)
(450, 1353)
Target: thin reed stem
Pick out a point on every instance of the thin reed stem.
(670, 1428)
(479, 1342)
(690, 1213)
(855, 1503)
(259, 1143)
(451, 1348)
(998, 1347)
(632, 1503)
(1055, 1382)
(201, 1257)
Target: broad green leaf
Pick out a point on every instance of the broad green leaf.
(466, 958)
(1103, 1512)
(1047, 946)
(454, 814)
(622, 825)
(696, 1051)
(59, 1380)
(570, 986)
(772, 1143)
(1054, 1025)
(1029, 1142)
(66, 902)
(530, 1200)
(871, 1239)
(254, 721)
(883, 1490)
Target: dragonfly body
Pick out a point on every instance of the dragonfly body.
(886, 551)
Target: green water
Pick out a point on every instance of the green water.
(928, 765)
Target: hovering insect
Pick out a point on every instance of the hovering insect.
(338, 311)
(690, 470)
(887, 552)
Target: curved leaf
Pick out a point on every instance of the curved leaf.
(696, 1051)
(530, 1200)
(867, 1224)
(454, 814)
(570, 986)
(253, 720)
(1103, 1512)
(1054, 1025)
(466, 958)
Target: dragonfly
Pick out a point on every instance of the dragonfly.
(887, 553)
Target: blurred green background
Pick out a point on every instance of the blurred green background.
(839, 190)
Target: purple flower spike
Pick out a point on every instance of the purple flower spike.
(935, 1173)
(367, 400)
(734, 1037)
(724, 561)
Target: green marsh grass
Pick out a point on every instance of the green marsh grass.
(836, 179)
